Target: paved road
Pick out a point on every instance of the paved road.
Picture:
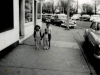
(83, 24)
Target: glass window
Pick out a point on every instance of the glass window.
(6, 12)
(93, 25)
(28, 11)
(39, 10)
(98, 26)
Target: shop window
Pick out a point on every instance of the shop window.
(6, 12)
(39, 10)
(28, 11)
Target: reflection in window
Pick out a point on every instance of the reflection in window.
(28, 11)
(39, 10)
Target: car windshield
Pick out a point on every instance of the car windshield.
(62, 16)
(75, 15)
(98, 26)
(85, 15)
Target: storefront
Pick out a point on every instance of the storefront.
(26, 16)
(18, 23)
(31, 17)
(39, 12)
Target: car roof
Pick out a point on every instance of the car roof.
(60, 14)
(95, 15)
(96, 20)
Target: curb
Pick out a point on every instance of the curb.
(91, 69)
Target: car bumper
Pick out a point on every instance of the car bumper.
(70, 25)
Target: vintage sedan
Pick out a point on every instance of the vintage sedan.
(72, 23)
(59, 19)
(85, 17)
(92, 35)
(76, 17)
(93, 17)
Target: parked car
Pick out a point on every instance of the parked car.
(43, 18)
(46, 17)
(76, 17)
(85, 17)
(92, 35)
(72, 24)
(59, 19)
(52, 19)
(93, 17)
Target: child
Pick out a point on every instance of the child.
(49, 33)
(37, 36)
(45, 39)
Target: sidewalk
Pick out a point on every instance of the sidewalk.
(64, 57)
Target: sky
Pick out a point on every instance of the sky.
(79, 1)
(84, 1)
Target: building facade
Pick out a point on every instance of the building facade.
(17, 24)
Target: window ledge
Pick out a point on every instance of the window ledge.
(29, 23)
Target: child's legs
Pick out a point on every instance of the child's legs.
(39, 42)
(44, 43)
(47, 44)
(49, 40)
(36, 44)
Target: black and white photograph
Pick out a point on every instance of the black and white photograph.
(50, 37)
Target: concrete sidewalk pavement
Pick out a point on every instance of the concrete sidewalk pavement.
(64, 57)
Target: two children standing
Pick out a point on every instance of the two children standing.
(46, 36)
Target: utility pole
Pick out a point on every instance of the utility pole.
(68, 13)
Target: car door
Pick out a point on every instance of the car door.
(91, 34)
(97, 33)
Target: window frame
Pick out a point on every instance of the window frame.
(97, 27)
(93, 27)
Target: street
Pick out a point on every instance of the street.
(64, 58)
(83, 24)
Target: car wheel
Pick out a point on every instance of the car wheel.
(74, 27)
(60, 24)
(86, 39)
